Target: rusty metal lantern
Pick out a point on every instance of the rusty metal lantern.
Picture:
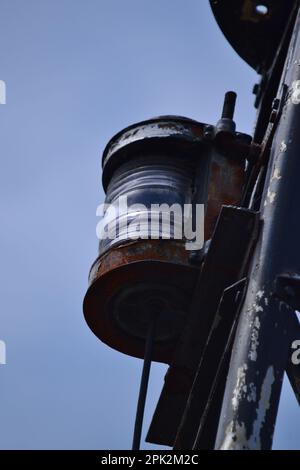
(171, 160)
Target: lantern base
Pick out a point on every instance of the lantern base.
(135, 307)
(121, 302)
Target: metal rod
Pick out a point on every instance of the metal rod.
(144, 386)
(229, 105)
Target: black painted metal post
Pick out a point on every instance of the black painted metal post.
(261, 348)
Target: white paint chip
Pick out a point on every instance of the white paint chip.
(283, 147)
(276, 175)
(236, 433)
(240, 388)
(295, 90)
(254, 340)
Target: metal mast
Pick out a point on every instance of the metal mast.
(267, 324)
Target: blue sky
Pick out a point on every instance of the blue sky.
(78, 71)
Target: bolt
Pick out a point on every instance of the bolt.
(289, 291)
(229, 105)
(256, 88)
(208, 132)
(273, 116)
(275, 104)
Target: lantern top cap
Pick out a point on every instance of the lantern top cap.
(156, 131)
(156, 127)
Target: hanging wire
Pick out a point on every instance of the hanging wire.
(144, 386)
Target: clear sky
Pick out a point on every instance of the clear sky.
(77, 71)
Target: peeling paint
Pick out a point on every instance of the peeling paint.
(271, 196)
(295, 92)
(235, 439)
(260, 294)
(240, 388)
(276, 175)
(236, 433)
(263, 406)
(252, 393)
(257, 308)
(283, 147)
(254, 340)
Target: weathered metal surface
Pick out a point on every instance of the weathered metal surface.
(254, 28)
(136, 251)
(168, 160)
(265, 330)
(128, 279)
(227, 182)
(224, 264)
(179, 131)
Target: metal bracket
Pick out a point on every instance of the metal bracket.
(199, 425)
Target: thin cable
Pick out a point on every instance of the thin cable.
(143, 387)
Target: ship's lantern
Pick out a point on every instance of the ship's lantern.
(146, 270)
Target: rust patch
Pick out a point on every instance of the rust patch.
(226, 188)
